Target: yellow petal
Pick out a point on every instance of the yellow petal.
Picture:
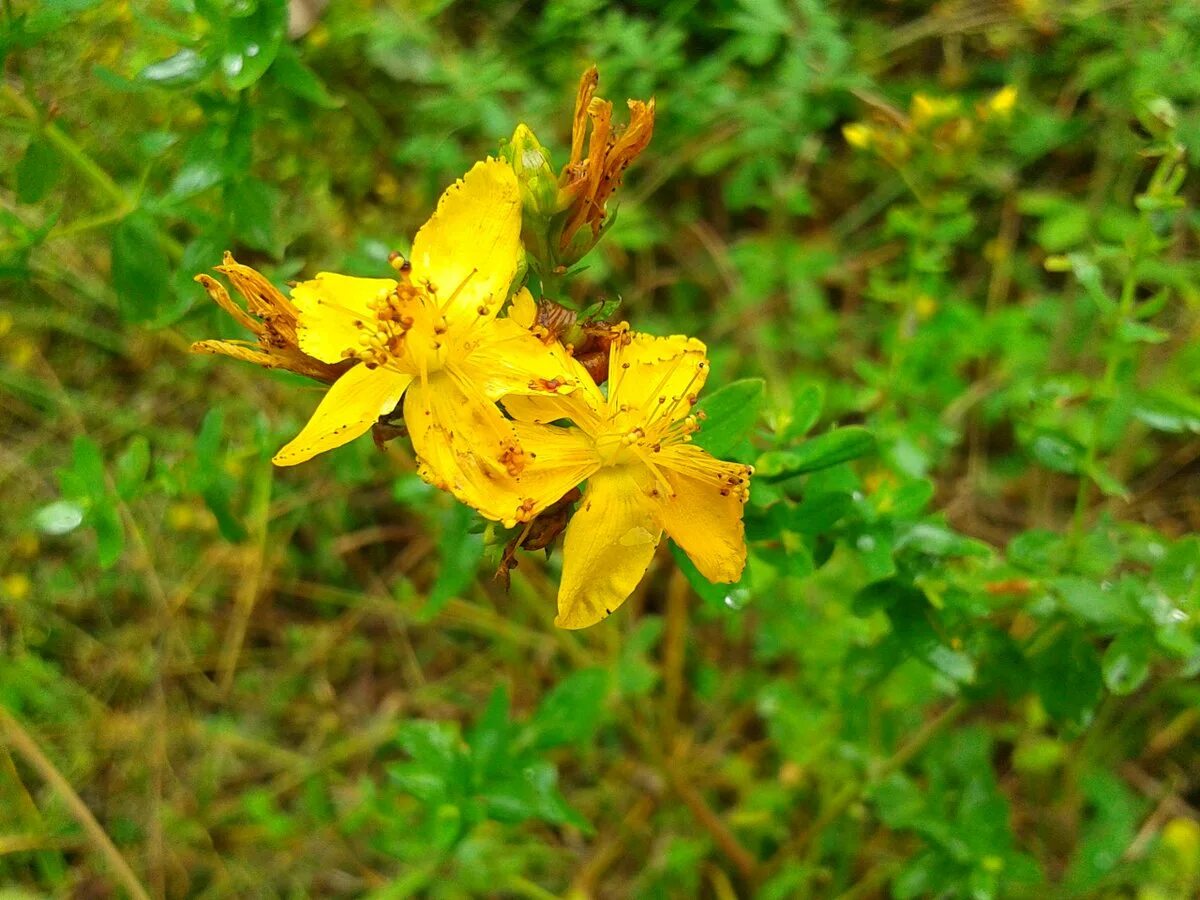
(470, 248)
(584, 405)
(556, 460)
(658, 375)
(607, 549)
(523, 310)
(348, 409)
(466, 446)
(704, 513)
(504, 358)
(332, 311)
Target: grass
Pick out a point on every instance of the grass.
(962, 661)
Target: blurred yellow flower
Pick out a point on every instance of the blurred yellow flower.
(433, 338)
(1001, 103)
(643, 476)
(857, 134)
(925, 109)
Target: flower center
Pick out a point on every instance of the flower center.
(408, 332)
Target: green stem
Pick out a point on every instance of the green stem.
(79, 159)
(70, 151)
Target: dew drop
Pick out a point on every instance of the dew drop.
(737, 599)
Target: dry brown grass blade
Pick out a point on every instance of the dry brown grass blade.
(23, 743)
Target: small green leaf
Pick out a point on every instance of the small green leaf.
(570, 713)
(252, 43)
(184, 68)
(820, 452)
(298, 78)
(211, 480)
(1066, 676)
(110, 536)
(1130, 332)
(200, 255)
(1056, 452)
(196, 177)
(936, 539)
(1173, 415)
(1126, 662)
(1067, 227)
(252, 204)
(913, 630)
(132, 466)
(1104, 605)
(140, 269)
(731, 413)
(459, 555)
(806, 409)
(1106, 481)
(59, 517)
(37, 171)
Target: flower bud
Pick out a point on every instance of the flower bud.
(539, 195)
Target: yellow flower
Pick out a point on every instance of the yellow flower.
(1001, 104)
(433, 338)
(271, 317)
(857, 134)
(643, 476)
(924, 110)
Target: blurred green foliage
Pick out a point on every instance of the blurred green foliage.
(944, 260)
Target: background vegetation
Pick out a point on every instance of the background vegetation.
(963, 660)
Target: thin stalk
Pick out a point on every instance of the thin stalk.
(27, 748)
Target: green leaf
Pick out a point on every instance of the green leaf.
(1105, 480)
(1067, 678)
(914, 632)
(59, 517)
(184, 68)
(196, 177)
(1173, 415)
(132, 466)
(570, 713)
(1104, 605)
(140, 269)
(200, 255)
(38, 171)
(820, 452)
(1067, 227)
(936, 539)
(252, 43)
(806, 409)
(731, 413)
(1126, 662)
(1056, 452)
(459, 555)
(491, 736)
(211, 480)
(252, 204)
(298, 78)
(1130, 332)
(1108, 830)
